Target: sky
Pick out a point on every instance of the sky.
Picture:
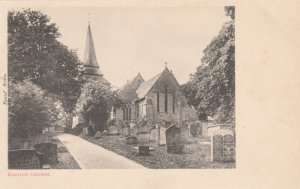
(129, 40)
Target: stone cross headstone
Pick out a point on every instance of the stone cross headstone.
(143, 137)
(131, 140)
(173, 140)
(162, 135)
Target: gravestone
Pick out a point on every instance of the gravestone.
(134, 131)
(143, 129)
(131, 140)
(228, 149)
(184, 130)
(97, 135)
(126, 130)
(153, 133)
(193, 127)
(173, 140)
(48, 151)
(24, 159)
(217, 148)
(144, 150)
(143, 137)
(162, 135)
(113, 130)
(86, 130)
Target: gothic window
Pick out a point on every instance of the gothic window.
(157, 94)
(123, 113)
(174, 102)
(129, 112)
(137, 111)
(166, 99)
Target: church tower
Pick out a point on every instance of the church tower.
(92, 71)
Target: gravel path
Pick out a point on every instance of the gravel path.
(91, 156)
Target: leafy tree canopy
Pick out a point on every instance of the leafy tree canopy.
(30, 110)
(95, 104)
(34, 53)
(212, 87)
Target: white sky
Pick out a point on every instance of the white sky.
(132, 40)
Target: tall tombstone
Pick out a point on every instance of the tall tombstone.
(86, 130)
(217, 148)
(228, 148)
(134, 131)
(48, 151)
(153, 134)
(162, 135)
(184, 130)
(126, 130)
(173, 140)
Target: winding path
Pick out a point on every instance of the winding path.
(91, 156)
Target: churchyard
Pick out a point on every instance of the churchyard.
(177, 149)
(41, 152)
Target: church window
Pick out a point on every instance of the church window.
(123, 113)
(157, 94)
(174, 102)
(129, 112)
(166, 99)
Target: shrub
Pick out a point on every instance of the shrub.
(94, 104)
(30, 110)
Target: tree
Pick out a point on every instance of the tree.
(31, 41)
(212, 87)
(35, 54)
(95, 104)
(30, 110)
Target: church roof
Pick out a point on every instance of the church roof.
(146, 86)
(130, 92)
(90, 59)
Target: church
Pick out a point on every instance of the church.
(155, 101)
(146, 103)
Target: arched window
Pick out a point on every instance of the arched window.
(174, 102)
(157, 94)
(166, 99)
(124, 116)
(129, 112)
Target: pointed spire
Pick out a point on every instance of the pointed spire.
(90, 59)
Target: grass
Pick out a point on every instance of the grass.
(195, 155)
(65, 159)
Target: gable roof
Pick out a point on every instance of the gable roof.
(146, 86)
(128, 92)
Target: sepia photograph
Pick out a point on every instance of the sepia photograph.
(121, 88)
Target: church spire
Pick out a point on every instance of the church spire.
(90, 59)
